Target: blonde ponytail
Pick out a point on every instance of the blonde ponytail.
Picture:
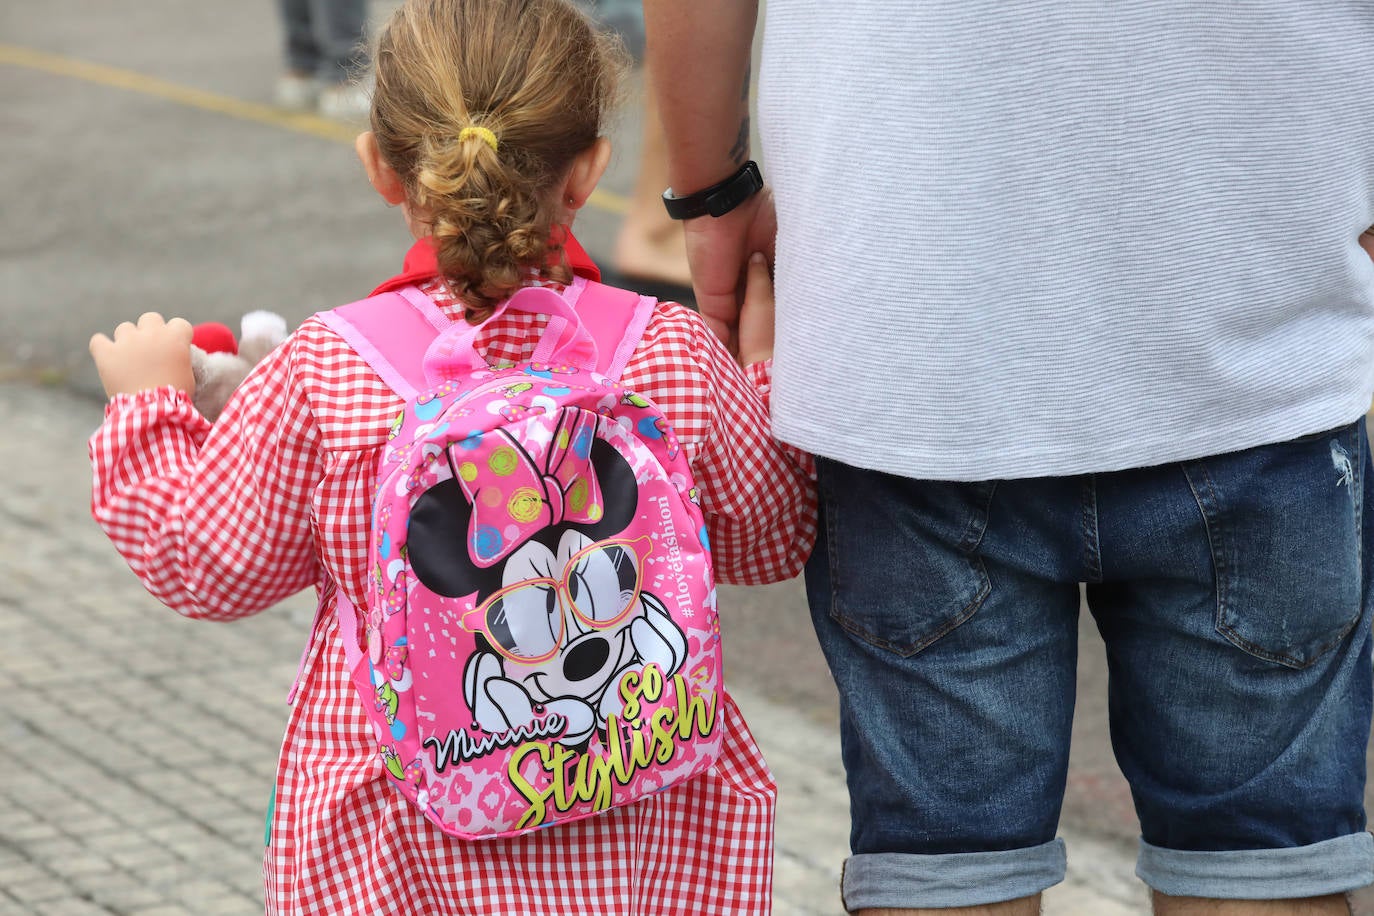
(481, 107)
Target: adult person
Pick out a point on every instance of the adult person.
(1066, 292)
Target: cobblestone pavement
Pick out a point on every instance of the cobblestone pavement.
(138, 746)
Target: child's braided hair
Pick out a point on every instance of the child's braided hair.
(541, 79)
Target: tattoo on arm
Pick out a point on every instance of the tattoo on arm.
(739, 151)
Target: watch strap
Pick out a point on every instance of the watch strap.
(720, 198)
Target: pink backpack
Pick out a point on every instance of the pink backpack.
(540, 639)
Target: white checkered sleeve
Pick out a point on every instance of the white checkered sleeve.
(214, 520)
(758, 497)
(760, 376)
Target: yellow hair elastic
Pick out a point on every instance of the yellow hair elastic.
(483, 133)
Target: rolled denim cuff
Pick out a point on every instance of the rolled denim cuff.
(903, 880)
(1328, 867)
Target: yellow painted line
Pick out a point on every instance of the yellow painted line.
(117, 78)
(609, 201)
(215, 103)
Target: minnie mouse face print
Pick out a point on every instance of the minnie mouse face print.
(564, 632)
(536, 538)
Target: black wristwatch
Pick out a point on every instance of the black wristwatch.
(720, 198)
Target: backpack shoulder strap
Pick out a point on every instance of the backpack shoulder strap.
(615, 318)
(391, 332)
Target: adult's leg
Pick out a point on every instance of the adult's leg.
(338, 27)
(1234, 603)
(1026, 906)
(302, 51)
(650, 245)
(650, 252)
(948, 615)
(1329, 905)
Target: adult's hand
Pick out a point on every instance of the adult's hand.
(718, 250)
(146, 355)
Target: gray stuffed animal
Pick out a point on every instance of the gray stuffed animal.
(220, 364)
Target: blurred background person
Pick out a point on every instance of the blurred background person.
(326, 56)
(649, 254)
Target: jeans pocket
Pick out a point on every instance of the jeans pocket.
(1285, 525)
(903, 562)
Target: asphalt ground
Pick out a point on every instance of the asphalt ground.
(146, 169)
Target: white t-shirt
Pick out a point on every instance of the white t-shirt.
(1065, 236)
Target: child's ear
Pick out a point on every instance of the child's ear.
(383, 177)
(587, 168)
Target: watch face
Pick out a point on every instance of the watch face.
(740, 188)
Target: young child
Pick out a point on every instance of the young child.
(487, 125)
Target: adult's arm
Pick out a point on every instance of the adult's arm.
(698, 58)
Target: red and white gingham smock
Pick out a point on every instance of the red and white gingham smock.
(221, 522)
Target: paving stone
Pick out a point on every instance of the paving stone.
(82, 863)
(69, 906)
(118, 891)
(37, 890)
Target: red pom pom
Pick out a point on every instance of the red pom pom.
(213, 337)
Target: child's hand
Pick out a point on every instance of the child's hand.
(756, 314)
(148, 355)
(1367, 241)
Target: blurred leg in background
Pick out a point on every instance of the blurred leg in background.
(649, 255)
(326, 57)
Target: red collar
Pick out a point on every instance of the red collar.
(420, 264)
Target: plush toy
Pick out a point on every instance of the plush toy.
(219, 363)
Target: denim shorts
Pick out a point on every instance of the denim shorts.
(1233, 600)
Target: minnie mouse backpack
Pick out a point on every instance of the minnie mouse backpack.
(539, 641)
